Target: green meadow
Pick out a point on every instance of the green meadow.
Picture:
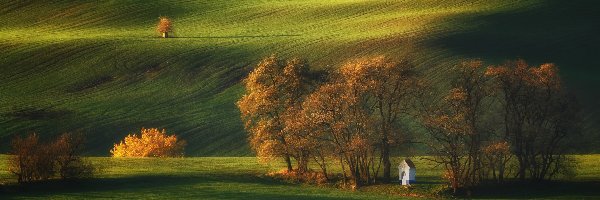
(100, 69)
(244, 178)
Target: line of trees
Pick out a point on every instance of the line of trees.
(352, 118)
(495, 112)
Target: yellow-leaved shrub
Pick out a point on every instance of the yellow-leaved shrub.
(149, 143)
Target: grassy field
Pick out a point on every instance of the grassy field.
(98, 67)
(243, 178)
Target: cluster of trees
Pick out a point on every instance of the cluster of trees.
(353, 118)
(33, 160)
(495, 112)
(149, 143)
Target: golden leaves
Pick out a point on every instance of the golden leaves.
(164, 25)
(457, 94)
(496, 71)
(150, 143)
(546, 75)
(272, 89)
(516, 72)
(497, 148)
(267, 149)
(452, 125)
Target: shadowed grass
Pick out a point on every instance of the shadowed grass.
(243, 178)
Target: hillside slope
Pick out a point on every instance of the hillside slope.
(98, 67)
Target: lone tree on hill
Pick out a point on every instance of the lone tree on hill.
(165, 25)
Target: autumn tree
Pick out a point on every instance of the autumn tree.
(164, 26)
(395, 87)
(496, 157)
(473, 83)
(70, 165)
(306, 139)
(297, 86)
(149, 143)
(274, 89)
(457, 129)
(538, 116)
(338, 121)
(351, 116)
(31, 160)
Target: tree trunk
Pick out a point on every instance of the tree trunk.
(522, 167)
(501, 174)
(385, 156)
(288, 161)
(165, 34)
(302, 161)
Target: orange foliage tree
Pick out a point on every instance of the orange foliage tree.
(353, 124)
(339, 117)
(273, 89)
(164, 26)
(387, 90)
(538, 115)
(457, 129)
(355, 115)
(339, 123)
(497, 155)
(395, 88)
(351, 116)
(150, 143)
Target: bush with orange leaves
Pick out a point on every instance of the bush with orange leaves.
(539, 115)
(150, 143)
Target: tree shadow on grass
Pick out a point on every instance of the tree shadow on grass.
(554, 189)
(164, 186)
(563, 32)
(552, 31)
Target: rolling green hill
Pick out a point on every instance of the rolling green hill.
(100, 69)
